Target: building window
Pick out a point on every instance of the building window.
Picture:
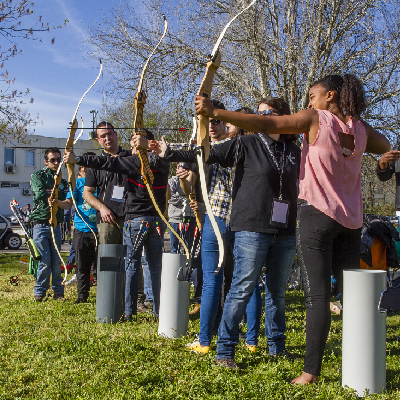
(9, 156)
(9, 184)
(30, 158)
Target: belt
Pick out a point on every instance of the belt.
(304, 203)
(40, 223)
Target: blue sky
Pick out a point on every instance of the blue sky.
(58, 75)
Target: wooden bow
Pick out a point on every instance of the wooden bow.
(147, 174)
(71, 172)
(203, 138)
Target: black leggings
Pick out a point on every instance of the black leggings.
(326, 247)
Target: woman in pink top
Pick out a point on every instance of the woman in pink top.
(334, 141)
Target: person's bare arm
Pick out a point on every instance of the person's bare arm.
(186, 181)
(64, 204)
(106, 214)
(300, 122)
(376, 142)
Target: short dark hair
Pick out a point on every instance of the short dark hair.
(104, 124)
(149, 135)
(241, 131)
(276, 103)
(51, 150)
(218, 104)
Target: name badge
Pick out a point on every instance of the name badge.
(118, 194)
(280, 213)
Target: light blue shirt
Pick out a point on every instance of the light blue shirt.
(87, 212)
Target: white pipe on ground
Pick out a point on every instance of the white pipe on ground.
(174, 298)
(364, 332)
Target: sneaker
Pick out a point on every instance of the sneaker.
(79, 301)
(251, 348)
(198, 348)
(141, 308)
(227, 363)
(196, 310)
(286, 354)
(148, 303)
(127, 318)
(58, 297)
(74, 279)
(38, 298)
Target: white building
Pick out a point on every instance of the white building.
(21, 160)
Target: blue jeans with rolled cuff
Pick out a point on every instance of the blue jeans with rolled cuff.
(212, 283)
(278, 265)
(250, 254)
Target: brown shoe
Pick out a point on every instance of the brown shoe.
(141, 308)
(227, 363)
(38, 298)
(58, 297)
(196, 310)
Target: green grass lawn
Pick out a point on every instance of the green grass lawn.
(56, 350)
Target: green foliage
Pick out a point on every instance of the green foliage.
(381, 209)
(56, 350)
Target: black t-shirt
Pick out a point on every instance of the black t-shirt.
(257, 180)
(137, 201)
(104, 182)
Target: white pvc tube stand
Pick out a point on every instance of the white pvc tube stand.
(174, 298)
(364, 332)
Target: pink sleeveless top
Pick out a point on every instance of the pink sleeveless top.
(330, 181)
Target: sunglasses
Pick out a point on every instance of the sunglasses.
(55, 160)
(268, 112)
(215, 122)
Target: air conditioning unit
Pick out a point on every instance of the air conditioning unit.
(9, 169)
(26, 192)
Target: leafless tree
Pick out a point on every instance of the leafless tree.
(278, 47)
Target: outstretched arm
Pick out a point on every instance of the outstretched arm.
(297, 123)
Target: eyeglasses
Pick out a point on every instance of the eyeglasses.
(268, 112)
(214, 122)
(55, 160)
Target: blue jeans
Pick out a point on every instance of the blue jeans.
(278, 265)
(153, 248)
(250, 254)
(148, 291)
(211, 283)
(173, 240)
(50, 262)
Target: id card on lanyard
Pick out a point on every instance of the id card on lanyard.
(280, 207)
(118, 194)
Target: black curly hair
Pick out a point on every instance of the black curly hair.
(350, 90)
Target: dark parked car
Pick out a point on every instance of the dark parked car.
(8, 238)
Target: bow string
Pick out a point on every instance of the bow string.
(147, 174)
(203, 139)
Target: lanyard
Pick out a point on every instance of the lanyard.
(275, 161)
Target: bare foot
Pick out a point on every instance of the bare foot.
(305, 378)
